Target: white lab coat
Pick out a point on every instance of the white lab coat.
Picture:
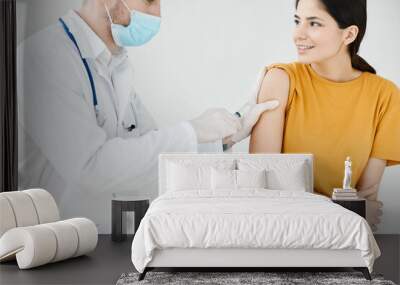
(63, 147)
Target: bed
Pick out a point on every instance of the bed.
(247, 211)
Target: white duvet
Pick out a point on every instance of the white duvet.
(252, 218)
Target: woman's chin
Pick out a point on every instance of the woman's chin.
(304, 59)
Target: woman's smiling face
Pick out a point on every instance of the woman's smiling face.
(316, 34)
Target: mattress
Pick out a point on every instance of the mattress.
(251, 219)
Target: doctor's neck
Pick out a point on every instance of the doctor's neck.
(96, 18)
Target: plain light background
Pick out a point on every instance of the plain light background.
(208, 54)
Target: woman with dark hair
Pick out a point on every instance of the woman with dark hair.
(332, 102)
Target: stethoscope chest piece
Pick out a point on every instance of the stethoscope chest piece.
(100, 117)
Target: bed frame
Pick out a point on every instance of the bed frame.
(234, 259)
(245, 259)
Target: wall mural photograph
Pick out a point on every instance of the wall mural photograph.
(199, 141)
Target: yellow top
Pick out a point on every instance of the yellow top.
(332, 120)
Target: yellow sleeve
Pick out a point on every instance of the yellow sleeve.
(290, 69)
(387, 138)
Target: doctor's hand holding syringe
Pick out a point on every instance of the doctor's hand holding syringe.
(215, 124)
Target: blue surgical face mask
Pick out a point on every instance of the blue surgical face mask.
(141, 29)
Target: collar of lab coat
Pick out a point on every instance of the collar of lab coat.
(93, 47)
(90, 44)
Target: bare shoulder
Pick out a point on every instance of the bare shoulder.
(275, 85)
(267, 135)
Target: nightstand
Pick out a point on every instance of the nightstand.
(126, 203)
(357, 205)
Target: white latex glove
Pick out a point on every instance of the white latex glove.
(215, 124)
(250, 113)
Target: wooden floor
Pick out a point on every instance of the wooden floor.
(110, 260)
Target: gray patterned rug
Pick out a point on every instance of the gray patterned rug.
(243, 278)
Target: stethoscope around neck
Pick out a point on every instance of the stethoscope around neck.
(100, 118)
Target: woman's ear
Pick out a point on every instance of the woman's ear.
(350, 34)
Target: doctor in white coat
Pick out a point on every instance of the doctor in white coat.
(84, 133)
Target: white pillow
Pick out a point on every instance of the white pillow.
(183, 178)
(186, 175)
(291, 179)
(223, 179)
(237, 179)
(251, 178)
(282, 174)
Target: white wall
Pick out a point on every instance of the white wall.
(208, 54)
(34, 15)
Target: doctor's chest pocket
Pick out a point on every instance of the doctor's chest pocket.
(129, 124)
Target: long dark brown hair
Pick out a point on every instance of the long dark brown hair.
(347, 13)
